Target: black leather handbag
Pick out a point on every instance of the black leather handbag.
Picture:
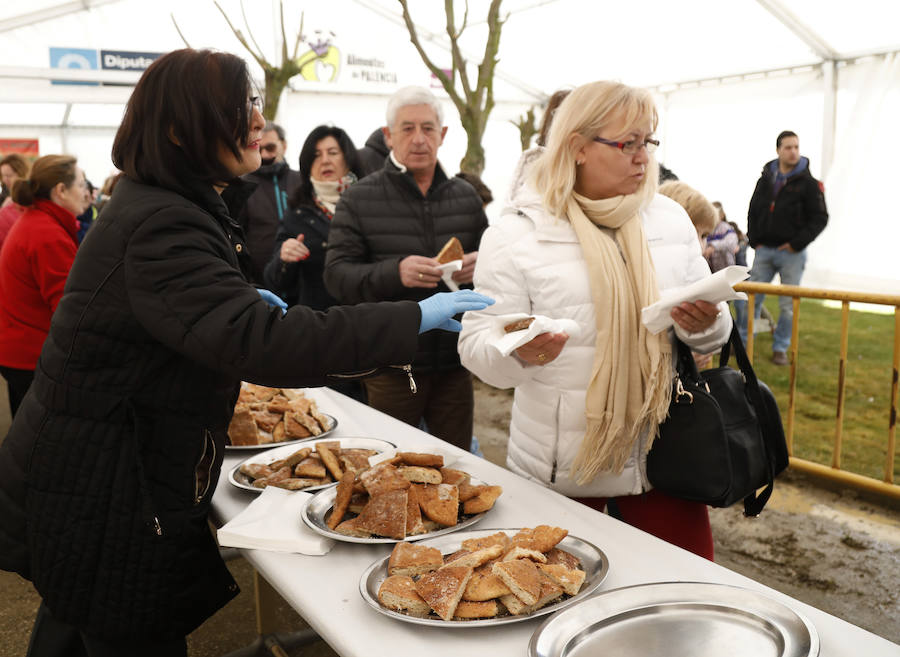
(723, 439)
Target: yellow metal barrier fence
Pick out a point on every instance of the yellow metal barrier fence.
(886, 487)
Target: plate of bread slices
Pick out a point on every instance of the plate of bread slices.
(267, 417)
(484, 577)
(407, 497)
(312, 466)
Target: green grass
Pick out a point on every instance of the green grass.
(868, 386)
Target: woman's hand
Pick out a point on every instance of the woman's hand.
(543, 349)
(467, 272)
(294, 250)
(695, 317)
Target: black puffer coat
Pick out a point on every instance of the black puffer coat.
(796, 215)
(384, 218)
(301, 282)
(264, 211)
(107, 473)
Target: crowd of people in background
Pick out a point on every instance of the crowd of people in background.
(208, 218)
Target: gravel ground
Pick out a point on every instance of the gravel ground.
(831, 549)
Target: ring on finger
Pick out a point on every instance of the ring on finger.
(421, 276)
(542, 357)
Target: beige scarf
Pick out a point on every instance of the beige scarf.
(328, 192)
(630, 383)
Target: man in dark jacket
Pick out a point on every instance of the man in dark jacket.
(267, 206)
(372, 155)
(387, 230)
(787, 212)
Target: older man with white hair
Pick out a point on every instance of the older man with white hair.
(387, 230)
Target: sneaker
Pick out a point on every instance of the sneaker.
(779, 358)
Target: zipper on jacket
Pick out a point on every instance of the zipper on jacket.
(555, 446)
(412, 382)
(207, 442)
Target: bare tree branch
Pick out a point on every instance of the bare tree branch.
(459, 62)
(284, 47)
(250, 32)
(438, 73)
(260, 59)
(299, 38)
(178, 29)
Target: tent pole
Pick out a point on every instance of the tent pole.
(829, 116)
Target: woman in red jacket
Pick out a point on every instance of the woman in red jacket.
(34, 263)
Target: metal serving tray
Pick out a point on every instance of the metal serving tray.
(593, 561)
(321, 502)
(283, 450)
(331, 427)
(677, 619)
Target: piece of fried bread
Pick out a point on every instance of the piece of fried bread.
(399, 592)
(522, 577)
(468, 609)
(243, 430)
(518, 552)
(476, 558)
(542, 538)
(439, 502)
(311, 466)
(330, 459)
(500, 538)
(413, 559)
(420, 475)
(567, 559)
(352, 527)
(442, 589)
(421, 459)
(414, 524)
(294, 428)
(343, 493)
(455, 477)
(452, 250)
(385, 514)
(382, 478)
(549, 592)
(483, 501)
(569, 580)
(484, 585)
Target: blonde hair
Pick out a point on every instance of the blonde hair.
(703, 214)
(583, 115)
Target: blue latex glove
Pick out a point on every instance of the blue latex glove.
(438, 309)
(272, 299)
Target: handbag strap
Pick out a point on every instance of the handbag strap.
(753, 503)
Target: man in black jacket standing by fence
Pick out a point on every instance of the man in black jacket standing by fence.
(387, 230)
(787, 212)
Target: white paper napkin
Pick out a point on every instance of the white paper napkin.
(714, 288)
(272, 522)
(506, 343)
(447, 270)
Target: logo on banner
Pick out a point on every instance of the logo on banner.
(28, 148)
(78, 58)
(322, 62)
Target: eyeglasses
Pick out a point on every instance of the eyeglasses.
(632, 146)
(269, 148)
(257, 102)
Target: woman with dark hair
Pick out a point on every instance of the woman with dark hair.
(328, 166)
(34, 263)
(107, 473)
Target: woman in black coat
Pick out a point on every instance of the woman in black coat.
(108, 470)
(328, 166)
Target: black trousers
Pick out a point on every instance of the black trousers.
(53, 638)
(17, 384)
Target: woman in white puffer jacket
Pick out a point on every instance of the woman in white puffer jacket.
(584, 236)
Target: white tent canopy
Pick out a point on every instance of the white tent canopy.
(728, 76)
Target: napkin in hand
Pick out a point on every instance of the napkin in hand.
(713, 289)
(447, 270)
(272, 522)
(506, 343)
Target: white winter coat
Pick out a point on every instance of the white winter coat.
(531, 262)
